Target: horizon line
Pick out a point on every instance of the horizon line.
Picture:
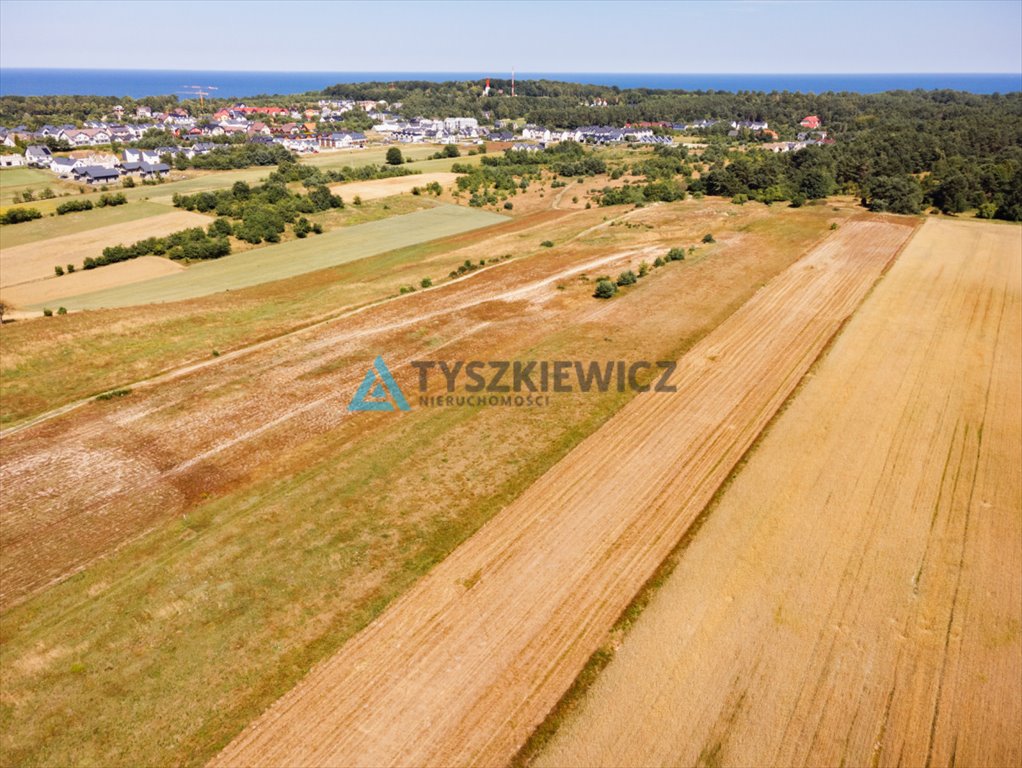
(480, 71)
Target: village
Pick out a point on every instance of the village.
(107, 151)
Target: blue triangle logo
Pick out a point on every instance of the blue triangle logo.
(379, 391)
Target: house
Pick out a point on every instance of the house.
(132, 155)
(38, 156)
(129, 167)
(95, 174)
(339, 140)
(812, 122)
(6, 138)
(64, 166)
(153, 170)
(11, 161)
(143, 112)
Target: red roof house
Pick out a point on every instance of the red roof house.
(812, 122)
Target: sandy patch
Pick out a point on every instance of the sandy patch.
(373, 190)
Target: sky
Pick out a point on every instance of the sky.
(744, 36)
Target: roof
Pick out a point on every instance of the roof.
(154, 167)
(99, 172)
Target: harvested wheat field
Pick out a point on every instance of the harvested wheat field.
(373, 190)
(35, 261)
(855, 598)
(462, 667)
(86, 281)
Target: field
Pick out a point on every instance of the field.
(499, 629)
(276, 262)
(35, 261)
(54, 292)
(74, 223)
(373, 190)
(854, 598)
(222, 528)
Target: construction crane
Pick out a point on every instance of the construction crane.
(202, 91)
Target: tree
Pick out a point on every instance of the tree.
(894, 194)
(605, 289)
(708, 238)
(627, 278)
(394, 156)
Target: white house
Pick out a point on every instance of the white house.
(64, 166)
(11, 161)
(38, 155)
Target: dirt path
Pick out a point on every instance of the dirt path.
(463, 667)
(856, 597)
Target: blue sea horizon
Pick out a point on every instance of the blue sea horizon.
(234, 84)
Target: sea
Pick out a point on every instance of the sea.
(140, 82)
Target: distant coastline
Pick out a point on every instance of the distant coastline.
(139, 83)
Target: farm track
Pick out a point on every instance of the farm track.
(855, 598)
(463, 667)
(165, 448)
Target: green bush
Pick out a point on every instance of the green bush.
(547, 244)
(47, 312)
(58, 270)
(708, 238)
(62, 311)
(73, 206)
(676, 254)
(426, 282)
(605, 289)
(627, 278)
(394, 156)
(18, 215)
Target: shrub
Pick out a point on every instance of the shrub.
(357, 200)
(62, 311)
(508, 205)
(426, 282)
(111, 200)
(47, 312)
(547, 244)
(676, 254)
(643, 269)
(58, 270)
(605, 289)
(659, 261)
(72, 206)
(708, 238)
(18, 215)
(394, 156)
(70, 268)
(627, 278)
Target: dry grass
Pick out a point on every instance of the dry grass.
(264, 556)
(854, 598)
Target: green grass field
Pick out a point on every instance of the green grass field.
(276, 262)
(14, 181)
(56, 226)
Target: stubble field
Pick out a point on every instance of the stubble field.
(465, 665)
(854, 599)
(217, 532)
